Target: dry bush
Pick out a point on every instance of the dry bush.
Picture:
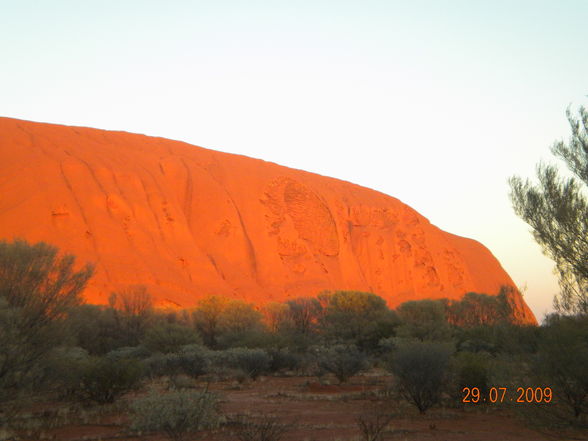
(265, 428)
(104, 380)
(178, 413)
(252, 362)
(420, 369)
(372, 427)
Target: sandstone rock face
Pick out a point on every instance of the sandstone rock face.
(189, 222)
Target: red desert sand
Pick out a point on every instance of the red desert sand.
(188, 222)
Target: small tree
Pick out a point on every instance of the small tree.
(304, 313)
(207, 318)
(240, 325)
(420, 369)
(424, 320)
(480, 309)
(275, 316)
(38, 288)
(557, 211)
(168, 337)
(562, 363)
(96, 329)
(133, 312)
(342, 361)
(362, 318)
(36, 279)
(239, 316)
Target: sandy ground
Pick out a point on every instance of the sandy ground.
(320, 412)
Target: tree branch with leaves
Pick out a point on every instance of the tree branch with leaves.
(556, 208)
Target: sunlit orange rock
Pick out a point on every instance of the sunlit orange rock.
(188, 222)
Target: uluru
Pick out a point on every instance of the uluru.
(188, 222)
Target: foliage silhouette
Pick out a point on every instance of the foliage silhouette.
(557, 211)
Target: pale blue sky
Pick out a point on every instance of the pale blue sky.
(434, 102)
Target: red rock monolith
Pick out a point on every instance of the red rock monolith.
(189, 222)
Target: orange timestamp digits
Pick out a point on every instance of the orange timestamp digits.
(500, 395)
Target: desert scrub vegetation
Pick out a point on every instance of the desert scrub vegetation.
(561, 362)
(103, 380)
(57, 348)
(469, 369)
(168, 337)
(191, 360)
(251, 362)
(355, 317)
(343, 361)
(133, 312)
(556, 209)
(75, 375)
(179, 414)
(39, 287)
(372, 426)
(282, 359)
(420, 370)
(262, 428)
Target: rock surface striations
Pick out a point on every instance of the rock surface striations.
(188, 222)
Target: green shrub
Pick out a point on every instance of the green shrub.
(249, 338)
(96, 329)
(191, 360)
(470, 369)
(177, 413)
(169, 337)
(63, 370)
(38, 288)
(283, 360)
(477, 338)
(562, 362)
(354, 317)
(476, 309)
(473, 370)
(194, 360)
(128, 352)
(240, 317)
(253, 362)
(103, 380)
(420, 369)
(423, 320)
(156, 365)
(498, 338)
(518, 339)
(341, 360)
